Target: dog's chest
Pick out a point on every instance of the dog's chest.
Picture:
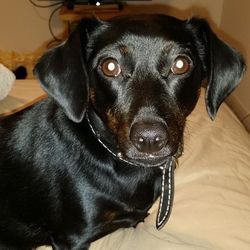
(123, 205)
(112, 213)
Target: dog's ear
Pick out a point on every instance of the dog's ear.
(62, 72)
(223, 66)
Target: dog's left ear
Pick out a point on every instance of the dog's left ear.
(62, 72)
(224, 66)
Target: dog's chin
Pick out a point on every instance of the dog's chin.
(147, 161)
(159, 159)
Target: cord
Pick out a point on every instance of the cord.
(55, 38)
(45, 6)
(50, 24)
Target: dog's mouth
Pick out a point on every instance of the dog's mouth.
(145, 160)
(129, 152)
(152, 160)
(149, 141)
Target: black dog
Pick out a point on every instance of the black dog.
(89, 159)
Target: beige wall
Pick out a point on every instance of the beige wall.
(210, 9)
(24, 28)
(235, 22)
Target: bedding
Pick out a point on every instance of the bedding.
(212, 192)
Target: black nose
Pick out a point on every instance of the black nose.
(149, 137)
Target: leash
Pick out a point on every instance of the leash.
(167, 193)
(167, 180)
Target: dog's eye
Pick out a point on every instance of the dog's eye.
(110, 67)
(181, 65)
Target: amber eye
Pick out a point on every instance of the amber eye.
(181, 65)
(110, 67)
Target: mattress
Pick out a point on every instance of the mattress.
(212, 192)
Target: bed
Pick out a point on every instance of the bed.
(212, 189)
(212, 192)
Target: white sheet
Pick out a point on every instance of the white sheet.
(212, 194)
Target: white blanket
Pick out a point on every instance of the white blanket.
(212, 194)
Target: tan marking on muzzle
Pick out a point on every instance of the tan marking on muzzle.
(92, 95)
(113, 122)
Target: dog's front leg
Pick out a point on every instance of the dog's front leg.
(81, 247)
(8, 247)
(71, 245)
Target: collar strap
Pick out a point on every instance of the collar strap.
(167, 194)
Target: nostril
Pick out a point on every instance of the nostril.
(149, 137)
(160, 141)
(141, 140)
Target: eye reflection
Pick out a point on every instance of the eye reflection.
(181, 65)
(110, 67)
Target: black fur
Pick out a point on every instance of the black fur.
(59, 184)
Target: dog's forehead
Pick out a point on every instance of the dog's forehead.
(153, 25)
(147, 25)
(137, 45)
(146, 33)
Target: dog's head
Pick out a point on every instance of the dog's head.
(139, 77)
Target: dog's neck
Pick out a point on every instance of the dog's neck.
(167, 180)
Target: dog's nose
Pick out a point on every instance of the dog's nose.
(149, 137)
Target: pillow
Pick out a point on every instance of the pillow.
(7, 79)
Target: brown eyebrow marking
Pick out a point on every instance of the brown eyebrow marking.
(168, 46)
(124, 49)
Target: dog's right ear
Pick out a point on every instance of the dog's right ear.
(62, 71)
(223, 65)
